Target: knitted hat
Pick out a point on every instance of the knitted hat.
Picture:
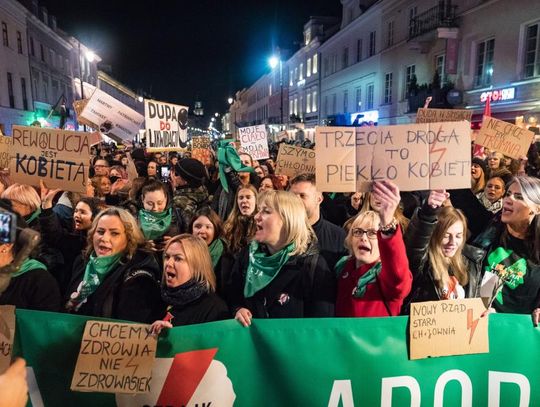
(482, 165)
(192, 171)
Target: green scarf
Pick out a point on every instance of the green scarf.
(154, 224)
(29, 264)
(262, 269)
(216, 250)
(228, 157)
(340, 265)
(369, 277)
(33, 216)
(96, 270)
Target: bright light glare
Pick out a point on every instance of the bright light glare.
(230, 100)
(90, 56)
(273, 61)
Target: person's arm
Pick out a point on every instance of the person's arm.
(395, 277)
(235, 290)
(13, 385)
(478, 217)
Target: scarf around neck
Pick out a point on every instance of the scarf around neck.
(96, 270)
(263, 268)
(29, 264)
(367, 278)
(30, 218)
(154, 224)
(216, 250)
(183, 294)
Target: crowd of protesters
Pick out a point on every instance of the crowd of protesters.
(163, 238)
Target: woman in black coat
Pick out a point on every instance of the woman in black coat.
(116, 277)
(280, 274)
(188, 285)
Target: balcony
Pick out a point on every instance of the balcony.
(440, 16)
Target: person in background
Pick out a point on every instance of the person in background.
(479, 175)
(444, 267)
(116, 277)
(495, 160)
(101, 186)
(372, 204)
(101, 167)
(492, 196)
(270, 182)
(188, 285)
(354, 204)
(239, 227)
(375, 279)
(259, 171)
(330, 238)
(280, 274)
(152, 169)
(26, 202)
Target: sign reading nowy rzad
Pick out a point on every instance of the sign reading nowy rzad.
(414, 156)
(112, 117)
(60, 158)
(254, 141)
(166, 125)
(506, 138)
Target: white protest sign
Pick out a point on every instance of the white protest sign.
(414, 156)
(254, 141)
(166, 126)
(7, 333)
(112, 116)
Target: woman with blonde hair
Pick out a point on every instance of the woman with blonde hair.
(188, 285)
(25, 201)
(116, 277)
(239, 227)
(444, 267)
(281, 274)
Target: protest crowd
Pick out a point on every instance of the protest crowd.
(234, 238)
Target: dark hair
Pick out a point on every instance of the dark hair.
(303, 178)
(212, 216)
(275, 182)
(94, 204)
(153, 186)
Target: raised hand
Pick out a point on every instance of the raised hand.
(387, 193)
(437, 197)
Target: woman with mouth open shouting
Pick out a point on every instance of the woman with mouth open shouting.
(116, 278)
(281, 274)
(443, 266)
(375, 278)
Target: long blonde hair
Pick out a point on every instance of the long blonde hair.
(439, 263)
(292, 212)
(197, 257)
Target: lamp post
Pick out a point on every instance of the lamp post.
(273, 62)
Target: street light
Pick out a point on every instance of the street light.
(216, 114)
(90, 57)
(230, 100)
(273, 61)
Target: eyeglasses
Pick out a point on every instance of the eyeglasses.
(370, 233)
(516, 196)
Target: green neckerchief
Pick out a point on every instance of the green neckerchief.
(369, 277)
(154, 224)
(33, 216)
(96, 270)
(216, 250)
(29, 264)
(340, 265)
(228, 157)
(262, 269)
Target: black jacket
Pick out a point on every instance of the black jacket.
(36, 289)
(304, 287)
(331, 240)
(417, 239)
(208, 308)
(131, 291)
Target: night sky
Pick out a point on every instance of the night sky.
(180, 50)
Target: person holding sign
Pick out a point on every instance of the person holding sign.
(116, 278)
(188, 285)
(444, 267)
(280, 274)
(374, 279)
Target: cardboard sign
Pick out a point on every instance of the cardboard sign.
(445, 328)
(58, 157)
(78, 107)
(506, 138)
(254, 141)
(426, 115)
(200, 149)
(112, 117)
(292, 161)
(115, 358)
(414, 156)
(5, 143)
(7, 333)
(166, 126)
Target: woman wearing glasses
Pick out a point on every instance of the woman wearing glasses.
(444, 267)
(374, 280)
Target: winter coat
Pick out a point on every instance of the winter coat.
(131, 291)
(304, 287)
(207, 308)
(417, 240)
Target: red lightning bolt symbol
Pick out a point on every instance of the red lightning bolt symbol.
(471, 323)
(432, 150)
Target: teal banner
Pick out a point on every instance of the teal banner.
(302, 362)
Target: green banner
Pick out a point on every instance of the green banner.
(303, 362)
